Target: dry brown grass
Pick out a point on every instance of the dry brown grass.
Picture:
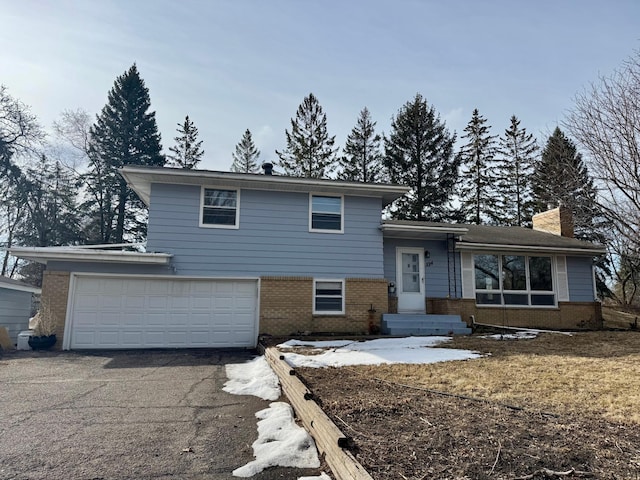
(587, 373)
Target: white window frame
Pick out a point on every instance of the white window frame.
(314, 296)
(528, 292)
(202, 207)
(311, 212)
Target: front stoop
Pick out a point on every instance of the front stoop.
(423, 324)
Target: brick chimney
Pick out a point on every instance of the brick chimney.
(558, 221)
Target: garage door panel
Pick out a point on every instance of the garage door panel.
(88, 301)
(108, 337)
(109, 319)
(157, 302)
(244, 321)
(131, 338)
(203, 303)
(156, 320)
(177, 303)
(134, 301)
(125, 312)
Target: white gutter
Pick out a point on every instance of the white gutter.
(21, 288)
(423, 228)
(110, 245)
(489, 247)
(44, 254)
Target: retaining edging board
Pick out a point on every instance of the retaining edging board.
(330, 441)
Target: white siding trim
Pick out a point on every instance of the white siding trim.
(562, 278)
(468, 276)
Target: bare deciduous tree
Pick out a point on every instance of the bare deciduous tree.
(73, 130)
(20, 133)
(606, 123)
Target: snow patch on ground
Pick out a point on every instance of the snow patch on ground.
(280, 443)
(525, 335)
(254, 377)
(376, 352)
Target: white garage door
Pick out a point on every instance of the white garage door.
(136, 312)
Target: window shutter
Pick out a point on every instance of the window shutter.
(563, 280)
(468, 280)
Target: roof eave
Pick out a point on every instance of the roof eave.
(20, 288)
(487, 247)
(395, 228)
(140, 180)
(47, 254)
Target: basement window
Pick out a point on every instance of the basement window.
(328, 297)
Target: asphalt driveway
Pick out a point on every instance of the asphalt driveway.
(125, 415)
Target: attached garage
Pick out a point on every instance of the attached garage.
(128, 311)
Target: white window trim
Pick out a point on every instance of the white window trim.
(500, 291)
(317, 230)
(211, 225)
(313, 296)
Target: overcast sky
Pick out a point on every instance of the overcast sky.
(238, 64)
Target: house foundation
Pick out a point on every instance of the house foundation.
(567, 316)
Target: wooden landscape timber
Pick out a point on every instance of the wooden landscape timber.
(329, 439)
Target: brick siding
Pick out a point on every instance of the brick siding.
(568, 315)
(55, 292)
(286, 306)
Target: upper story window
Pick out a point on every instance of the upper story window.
(326, 213)
(219, 208)
(515, 280)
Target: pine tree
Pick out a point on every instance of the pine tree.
(419, 154)
(363, 159)
(187, 152)
(477, 175)
(245, 158)
(562, 178)
(309, 151)
(125, 133)
(517, 156)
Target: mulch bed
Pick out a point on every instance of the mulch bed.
(407, 433)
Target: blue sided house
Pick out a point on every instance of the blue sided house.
(231, 256)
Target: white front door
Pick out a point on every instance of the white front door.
(410, 280)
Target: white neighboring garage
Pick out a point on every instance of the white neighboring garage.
(130, 311)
